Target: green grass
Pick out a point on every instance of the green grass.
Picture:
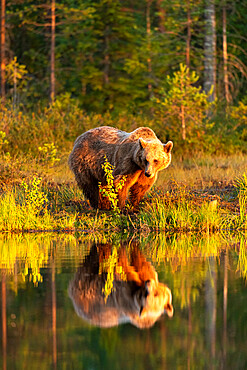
(182, 215)
(39, 205)
(203, 193)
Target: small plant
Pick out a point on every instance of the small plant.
(35, 199)
(17, 77)
(3, 140)
(110, 191)
(184, 106)
(48, 154)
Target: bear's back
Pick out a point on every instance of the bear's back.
(104, 134)
(145, 133)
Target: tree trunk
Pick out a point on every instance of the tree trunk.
(3, 63)
(210, 50)
(15, 87)
(188, 35)
(53, 25)
(183, 123)
(149, 61)
(107, 57)
(225, 57)
(162, 16)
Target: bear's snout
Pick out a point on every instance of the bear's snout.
(148, 170)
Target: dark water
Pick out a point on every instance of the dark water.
(49, 282)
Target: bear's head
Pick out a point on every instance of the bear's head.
(153, 156)
(153, 299)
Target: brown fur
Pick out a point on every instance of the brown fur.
(141, 300)
(139, 155)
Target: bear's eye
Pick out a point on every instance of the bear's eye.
(156, 161)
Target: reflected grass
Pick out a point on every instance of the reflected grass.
(24, 255)
(185, 256)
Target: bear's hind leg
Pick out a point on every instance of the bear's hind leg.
(91, 192)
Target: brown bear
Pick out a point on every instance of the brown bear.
(138, 155)
(137, 297)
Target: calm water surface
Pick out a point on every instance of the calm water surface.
(62, 302)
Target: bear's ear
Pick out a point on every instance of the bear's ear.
(142, 143)
(168, 147)
(169, 310)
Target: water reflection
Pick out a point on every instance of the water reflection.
(118, 285)
(39, 325)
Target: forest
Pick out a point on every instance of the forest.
(179, 67)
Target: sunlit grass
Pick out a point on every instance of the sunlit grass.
(182, 212)
(53, 207)
(172, 205)
(203, 171)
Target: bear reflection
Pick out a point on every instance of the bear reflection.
(118, 285)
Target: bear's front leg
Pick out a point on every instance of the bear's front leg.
(122, 196)
(139, 189)
(104, 203)
(128, 183)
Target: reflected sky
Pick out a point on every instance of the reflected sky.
(45, 322)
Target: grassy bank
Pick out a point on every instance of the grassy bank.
(37, 203)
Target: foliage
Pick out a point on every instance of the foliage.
(239, 116)
(108, 59)
(16, 73)
(34, 198)
(3, 140)
(48, 154)
(111, 189)
(183, 108)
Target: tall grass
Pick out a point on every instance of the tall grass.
(181, 215)
(15, 216)
(241, 185)
(40, 205)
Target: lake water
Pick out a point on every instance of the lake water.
(62, 302)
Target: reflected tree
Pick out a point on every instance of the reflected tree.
(211, 307)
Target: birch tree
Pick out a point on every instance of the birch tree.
(225, 57)
(3, 50)
(210, 50)
(53, 25)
